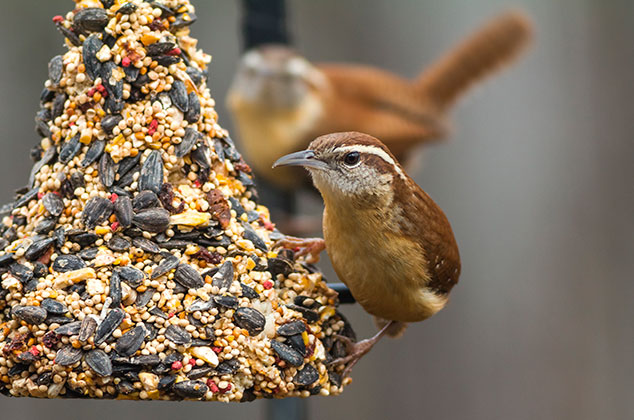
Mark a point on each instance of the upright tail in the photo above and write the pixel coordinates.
(496, 44)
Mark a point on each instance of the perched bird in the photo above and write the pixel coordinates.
(386, 238)
(280, 101)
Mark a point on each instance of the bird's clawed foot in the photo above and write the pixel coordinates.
(311, 247)
(357, 350)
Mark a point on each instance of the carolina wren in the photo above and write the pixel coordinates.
(387, 239)
(280, 101)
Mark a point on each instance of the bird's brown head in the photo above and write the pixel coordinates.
(275, 76)
(348, 165)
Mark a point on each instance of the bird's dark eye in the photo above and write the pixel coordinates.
(351, 158)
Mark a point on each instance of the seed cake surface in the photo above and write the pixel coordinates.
(136, 263)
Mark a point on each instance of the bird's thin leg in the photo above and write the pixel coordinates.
(357, 350)
(303, 246)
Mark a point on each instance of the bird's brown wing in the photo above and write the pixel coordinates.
(435, 236)
(379, 103)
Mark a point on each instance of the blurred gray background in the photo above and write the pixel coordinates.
(537, 180)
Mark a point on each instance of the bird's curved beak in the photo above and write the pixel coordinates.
(305, 158)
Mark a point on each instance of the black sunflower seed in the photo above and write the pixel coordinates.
(190, 389)
(57, 108)
(81, 237)
(187, 276)
(130, 342)
(47, 95)
(38, 248)
(47, 157)
(178, 335)
(54, 307)
(39, 270)
(230, 302)
(53, 203)
(72, 36)
(90, 48)
(108, 325)
(307, 376)
(56, 69)
(306, 302)
(127, 179)
(144, 298)
(249, 292)
(69, 329)
(228, 367)
(70, 149)
(106, 170)
(127, 8)
(224, 277)
(251, 235)
(200, 305)
(68, 355)
(123, 211)
(152, 220)
(250, 319)
(118, 244)
(146, 245)
(114, 105)
(201, 157)
(279, 266)
(24, 199)
(196, 75)
(183, 20)
(21, 272)
(297, 343)
(91, 19)
(115, 292)
(152, 172)
(96, 211)
(189, 140)
(178, 95)
(310, 315)
(159, 48)
(193, 113)
(127, 164)
(87, 329)
(109, 122)
(94, 152)
(144, 200)
(33, 315)
(88, 254)
(287, 354)
(131, 74)
(168, 263)
(167, 60)
(42, 119)
(133, 276)
(115, 90)
(99, 362)
(292, 328)
(77, 180)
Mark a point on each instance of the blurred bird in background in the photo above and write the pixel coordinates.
(280, 101)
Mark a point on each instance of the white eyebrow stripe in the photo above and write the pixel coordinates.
(376, 151)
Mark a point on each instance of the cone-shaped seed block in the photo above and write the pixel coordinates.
(137, 243)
